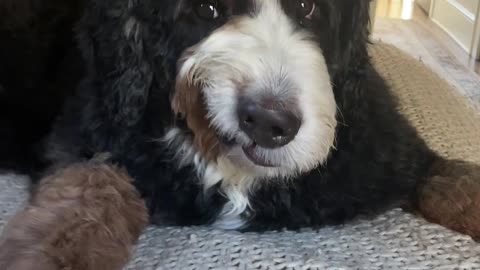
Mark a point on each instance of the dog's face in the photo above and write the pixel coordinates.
(256, 88)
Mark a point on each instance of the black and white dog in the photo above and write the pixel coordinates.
(243, 114)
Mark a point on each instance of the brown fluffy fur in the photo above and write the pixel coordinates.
(85, 217)
(188, 103)
(452, 197)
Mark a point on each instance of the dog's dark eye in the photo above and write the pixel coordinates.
(207, 9)
(306, 8)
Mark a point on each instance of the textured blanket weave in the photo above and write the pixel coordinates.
(394, 240)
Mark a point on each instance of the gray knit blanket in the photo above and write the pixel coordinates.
(394, 240)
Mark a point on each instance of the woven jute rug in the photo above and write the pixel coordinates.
(394, 240)
(445, 119)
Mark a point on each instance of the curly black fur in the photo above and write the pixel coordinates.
(38, 70)
(123, 104)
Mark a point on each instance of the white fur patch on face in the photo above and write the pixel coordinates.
(250, 51)
(235, 186)
(247, 52)
(183, 151)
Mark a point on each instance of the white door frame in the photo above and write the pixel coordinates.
(473, 49)
(373, 10)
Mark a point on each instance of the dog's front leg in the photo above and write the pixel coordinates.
(84, 217)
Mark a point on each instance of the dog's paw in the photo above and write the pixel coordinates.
(84, 217)
(15, 256)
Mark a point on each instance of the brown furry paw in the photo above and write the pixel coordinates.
(451, 197)
(87, 216)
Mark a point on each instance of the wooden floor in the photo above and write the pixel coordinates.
(409, 29)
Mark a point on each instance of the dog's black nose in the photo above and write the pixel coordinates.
(268, 128)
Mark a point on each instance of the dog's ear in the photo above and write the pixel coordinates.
(110, 37)
(357, 23)
(353, 32)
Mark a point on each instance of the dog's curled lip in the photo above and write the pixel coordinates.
(251, 152)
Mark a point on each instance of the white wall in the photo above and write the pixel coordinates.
(425, 4)
(459, 19)
(470, 5)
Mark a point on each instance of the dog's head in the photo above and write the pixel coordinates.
(257, 88)
(253, 78)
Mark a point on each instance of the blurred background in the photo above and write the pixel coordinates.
(444, 34)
